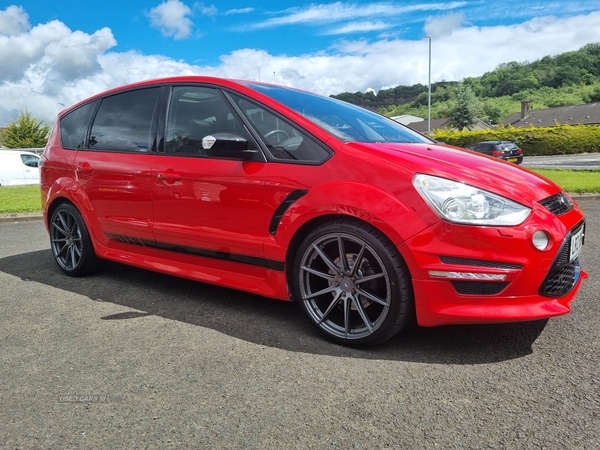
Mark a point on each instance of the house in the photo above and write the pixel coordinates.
(443, 124)
(587, 114)
(405, 119)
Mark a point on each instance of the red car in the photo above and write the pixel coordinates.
(295, 196)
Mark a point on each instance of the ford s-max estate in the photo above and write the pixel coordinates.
(295, 196)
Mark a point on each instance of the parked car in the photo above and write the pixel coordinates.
(506, 150)
(18, 168)
(295, 196)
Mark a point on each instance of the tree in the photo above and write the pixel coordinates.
(25, 132)
(465, 110)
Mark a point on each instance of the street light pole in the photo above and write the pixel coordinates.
(429, 92)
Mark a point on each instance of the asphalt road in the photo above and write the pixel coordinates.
(133, 359)
(584, 161)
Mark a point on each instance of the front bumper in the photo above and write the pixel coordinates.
(468, 274)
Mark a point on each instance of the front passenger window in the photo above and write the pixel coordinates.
(194, 113)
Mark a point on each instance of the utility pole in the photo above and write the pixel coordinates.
(429, 92)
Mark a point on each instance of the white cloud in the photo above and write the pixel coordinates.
(358, 27)
(210, 10)
(171, 19)
(339, 11)
(239, 11)
(442, 26)
(49, 67)
(14, 20)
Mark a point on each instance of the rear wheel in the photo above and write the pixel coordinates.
(352, 283)
(71, 243)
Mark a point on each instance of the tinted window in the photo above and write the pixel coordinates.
(74, 126)
(30, 160)
(508, 146)
(284, 140)
(343, 120)
(124, 121)
(196, 112)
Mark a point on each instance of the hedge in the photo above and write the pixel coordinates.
(558, 140)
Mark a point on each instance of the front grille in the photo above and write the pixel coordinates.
(563, 274)
(558, 204)
(478, 263)
(478, 287)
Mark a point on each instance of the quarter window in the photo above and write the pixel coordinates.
(284, 141)
(124, 121)
(74, 126)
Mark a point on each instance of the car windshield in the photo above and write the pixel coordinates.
(345, 121)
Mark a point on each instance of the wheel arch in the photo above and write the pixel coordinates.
(66, 190)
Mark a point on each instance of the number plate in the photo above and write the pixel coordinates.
(512, 159)
(576, 244)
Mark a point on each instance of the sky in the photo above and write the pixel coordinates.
(56, 53)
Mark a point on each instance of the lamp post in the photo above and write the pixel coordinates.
(429, 92)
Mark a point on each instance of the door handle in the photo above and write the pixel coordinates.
(168, 177)
(84, 168)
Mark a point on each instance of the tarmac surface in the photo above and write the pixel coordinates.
(133, 359)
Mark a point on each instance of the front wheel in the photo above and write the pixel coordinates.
(352, 283)
(70, 242)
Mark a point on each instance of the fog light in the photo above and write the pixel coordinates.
(540, 240)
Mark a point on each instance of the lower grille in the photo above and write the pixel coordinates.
(478, 287)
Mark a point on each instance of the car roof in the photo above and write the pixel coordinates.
(240, 85)
(18, 152)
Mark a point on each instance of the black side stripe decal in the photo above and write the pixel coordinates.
(214, 254)
(283, 207)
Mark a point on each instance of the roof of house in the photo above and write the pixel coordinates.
(443, 124)
(405, 119)
(421, 127)
(588, 114)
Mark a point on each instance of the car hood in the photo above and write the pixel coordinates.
(491, 174)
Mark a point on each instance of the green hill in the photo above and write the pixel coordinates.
(570, 78)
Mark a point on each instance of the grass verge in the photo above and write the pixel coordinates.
(19, 199)
(574, 181)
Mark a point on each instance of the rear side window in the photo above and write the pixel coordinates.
(74, 126)
(124, 121)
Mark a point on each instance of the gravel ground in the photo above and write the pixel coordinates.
(133, 359)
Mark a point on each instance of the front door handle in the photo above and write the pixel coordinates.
(168, 177)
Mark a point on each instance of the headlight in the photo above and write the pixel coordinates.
(461, 203)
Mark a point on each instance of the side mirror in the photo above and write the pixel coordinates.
(227, 145)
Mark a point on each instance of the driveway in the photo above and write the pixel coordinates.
(133, 359)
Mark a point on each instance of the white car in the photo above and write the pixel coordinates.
(19, 168)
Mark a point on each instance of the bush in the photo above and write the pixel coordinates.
(558, 140)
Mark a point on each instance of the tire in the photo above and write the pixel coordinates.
(360, 300)
(71, 244)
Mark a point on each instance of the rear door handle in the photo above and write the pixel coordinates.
(84, 168)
